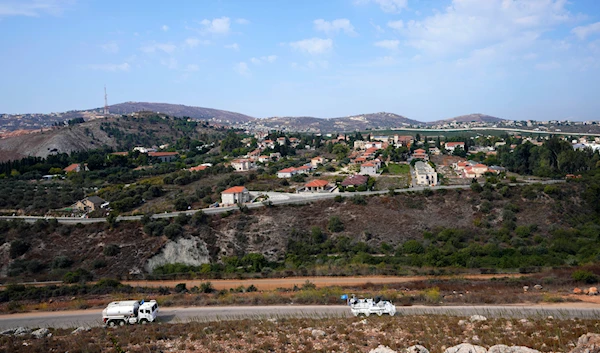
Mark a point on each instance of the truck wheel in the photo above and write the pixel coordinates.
(121, 323)
(367, 314)
(392, 313)
(143, 321)
(111, 323)
(379, 313)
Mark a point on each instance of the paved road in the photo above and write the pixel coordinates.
(92, 318)
(279, 199)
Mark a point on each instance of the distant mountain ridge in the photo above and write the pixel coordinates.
(180, 110)
(478, 118)
(359, 122)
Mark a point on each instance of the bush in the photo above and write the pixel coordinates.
(413, 247)
(180, 288)
(80, 275)
(476, 187)
(173, 231)
(584, 276)
(338, 198)
(62, 262)
(99, 263)
(18, 247)
(111, 250)
(359, 200)
(335, 225)
(206, 287)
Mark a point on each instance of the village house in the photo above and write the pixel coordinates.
(434, 150)
(316, 161)
(451, 146)
(355, 180)
(425, 174)
(89, 204)
(281, 141)
(475, 171)
(164, 157)
(235, 195)
(198, 168)
(403, 140)
(317, 186)
(264, 159)
(360, 160)
(76, 168)
(368, 168)
(420, 154)
(275, 156)
(287, 173)
(242, 165)
(294, 142)
(267, 144)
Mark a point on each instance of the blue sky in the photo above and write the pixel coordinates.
(425, 59)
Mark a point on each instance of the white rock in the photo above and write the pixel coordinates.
(77, 330)
(40, 333)
(538, 286)
(477, 318)
(22, 331)
(416, 349)
(382, 349)
(462, 322)
(466, 348)
(318, 333)
(501, 348)
(10, 331)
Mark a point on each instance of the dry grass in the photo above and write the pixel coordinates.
(295, 335)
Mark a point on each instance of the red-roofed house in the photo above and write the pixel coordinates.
(281, 141)
(164, 156)
(316, 161)
(264, 159)
(360, 160)
(75, 168)
(242, 165)
(287, 172)
(355, 180)
(475, 171)
(316, 185)
(368, 168)
(198, 168)
(305, 169)
(235, 195)
(450, 146)
(420, 154)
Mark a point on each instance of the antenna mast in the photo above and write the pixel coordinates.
(105, 102)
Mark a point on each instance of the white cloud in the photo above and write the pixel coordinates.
(233, 46)
(313, 46)
(388, 5)
(34, 8)
(110, 47)
(551, 65)
(192, 68)
(242, 21)
(171, 63)
(242, 69)
(378, 28)
(264, 59)
(194, 42)
(335, 26)
(397, 25)
(583, 31)
(469, 24)
(217, 25)
(154, 47)
(110, 67)
(391, 44)
(164, 28)
(311, 65)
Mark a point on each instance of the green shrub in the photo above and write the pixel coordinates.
(206, 287)
(173, 231)
(99, 263)
(584, 276)
(180, 288)
(335, 225)
(61, 262)
(18, 247)
(359, 200)
(338, 198)
(111, 250)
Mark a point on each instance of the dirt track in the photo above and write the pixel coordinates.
(273, 283)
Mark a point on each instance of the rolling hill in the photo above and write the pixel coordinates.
(179, 110)
(478, 118)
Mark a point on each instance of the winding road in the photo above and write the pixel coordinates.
(92, 318)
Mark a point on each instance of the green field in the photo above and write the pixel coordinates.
(398, 169)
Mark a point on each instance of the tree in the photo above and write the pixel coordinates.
(335, 225)
(231, 142)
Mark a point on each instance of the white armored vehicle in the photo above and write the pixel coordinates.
(371, 306)
(129, 312)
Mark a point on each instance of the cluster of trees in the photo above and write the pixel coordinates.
(554, 158)
(37, 198)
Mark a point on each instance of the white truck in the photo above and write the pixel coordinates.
(371, 306)
(129, 312)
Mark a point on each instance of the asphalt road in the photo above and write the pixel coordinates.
(92, 318)
(283, 199)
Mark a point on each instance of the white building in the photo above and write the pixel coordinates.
(450, 146)
(242, 165)
(368, 168)
(425, 174)
(235, 195)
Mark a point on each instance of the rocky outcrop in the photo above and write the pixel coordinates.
(190, 251)
(466, 348)
(501, 348)
(588, 343)
(477, 318)
(382, 349)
